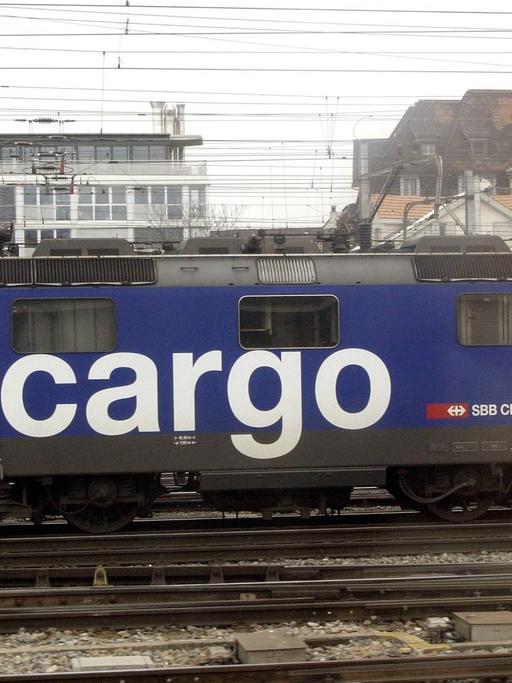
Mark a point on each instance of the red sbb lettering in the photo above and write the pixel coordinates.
(447, 411)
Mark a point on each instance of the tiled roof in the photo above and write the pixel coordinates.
(432, 119)
(505, 200)
(483, 113)
(451, 124)
(393, 206)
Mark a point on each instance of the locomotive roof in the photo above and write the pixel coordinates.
(213, 270)
(96, 262)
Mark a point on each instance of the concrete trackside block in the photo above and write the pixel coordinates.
(484, 626)
(269, 646)
(111, 663)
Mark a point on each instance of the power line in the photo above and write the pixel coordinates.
(129, 10)
(265, 8)
(408, 55)
(432, 33)
(252, 69)
(175, 93)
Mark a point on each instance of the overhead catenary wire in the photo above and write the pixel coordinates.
(234, 172)
(266, 8)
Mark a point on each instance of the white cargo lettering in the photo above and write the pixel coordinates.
(288, 409)
(286, 413)
(144, 389)
(380, 388)
(11, 395)
(185, 375)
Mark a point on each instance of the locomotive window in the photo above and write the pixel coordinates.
(485, 320)
(63, 325)
(269, 322)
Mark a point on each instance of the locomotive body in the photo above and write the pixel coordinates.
(265, 382)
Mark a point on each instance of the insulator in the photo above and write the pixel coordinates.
(365, 236)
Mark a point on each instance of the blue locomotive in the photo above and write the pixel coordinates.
(270, 381)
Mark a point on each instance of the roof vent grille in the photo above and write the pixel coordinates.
(15, 271)
(289, 270)
(95, 271)
(449, 267)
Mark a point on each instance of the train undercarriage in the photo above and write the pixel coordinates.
(108, 503)
(94, 504)
(451, 493)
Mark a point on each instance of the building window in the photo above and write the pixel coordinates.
(478, 148)
(120, 153)
(502, 183)
(427, 148)
(197, 202)
(30, 195)
(46, 203)
(32, 237)
(175, 201)
(9, 153)
(63, 325)
(46, 234)
(409, 186)
(158, 203)
(140, 153)
(267, 322)
(7, 204)
(101, 203)
(103, 153)
(485, 319)
(86, 153)
(106, 153)
(62, 207)
(157, 152)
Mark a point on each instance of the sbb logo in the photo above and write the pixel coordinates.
(447, 411)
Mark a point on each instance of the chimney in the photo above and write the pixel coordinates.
(158, 116)
(170, 121)
(180, 119)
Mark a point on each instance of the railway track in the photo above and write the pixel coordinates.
(54, 581)
(231, 573)
(123, 606)
(214, 545)
(480, 668)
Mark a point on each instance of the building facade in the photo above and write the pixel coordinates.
(137, 187)
(474, 133)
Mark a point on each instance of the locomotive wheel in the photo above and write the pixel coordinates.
(102, 520)
(453, 509)
(454, 494)
(466, 504)
(103, 512)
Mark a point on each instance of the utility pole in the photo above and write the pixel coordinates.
(365, 226)
(436, 227)
(364, 183)
(472, 202)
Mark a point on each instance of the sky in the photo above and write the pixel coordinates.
(278, 91)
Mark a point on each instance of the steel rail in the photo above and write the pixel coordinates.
(46, 577)
(390, 670)
(228, 603)
(250, 544)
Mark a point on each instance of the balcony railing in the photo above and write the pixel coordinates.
(100, 168)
